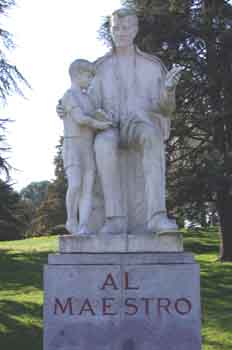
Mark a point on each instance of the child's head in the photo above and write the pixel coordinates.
(82, 72)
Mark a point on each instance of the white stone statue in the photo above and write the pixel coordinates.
(78, 152)
(138, 94)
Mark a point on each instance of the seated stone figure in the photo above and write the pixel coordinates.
(78, 154)
(139, 92)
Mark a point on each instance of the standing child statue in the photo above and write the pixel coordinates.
(78, 154)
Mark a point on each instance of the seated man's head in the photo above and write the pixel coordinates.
(81, 73)
(123, 27)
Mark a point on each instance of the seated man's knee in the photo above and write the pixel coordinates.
(149, 138)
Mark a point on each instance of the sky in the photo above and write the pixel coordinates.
(49, 35)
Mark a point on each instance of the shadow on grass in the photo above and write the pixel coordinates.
(21, 282)
(21, 270)
(216, 282)
(216, 296)
(17, 330)
(216, 288)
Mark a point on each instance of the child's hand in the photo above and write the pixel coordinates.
(98, 125)
(102, 116)
(60, 110)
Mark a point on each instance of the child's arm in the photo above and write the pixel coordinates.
(83, 120)
(102, 116)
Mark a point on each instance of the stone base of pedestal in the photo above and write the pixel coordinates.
(165, 242)
(122, 301)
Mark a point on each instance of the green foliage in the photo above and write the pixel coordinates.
(13, 214)
(47, 202)
(49, 216)
(21, 292)
(35, 193)
(34, 196)
(51, 212)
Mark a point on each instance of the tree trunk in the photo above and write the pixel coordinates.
(224, 208)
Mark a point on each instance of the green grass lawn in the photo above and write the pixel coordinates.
(21, 294)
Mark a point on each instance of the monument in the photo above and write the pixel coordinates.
(121, 280)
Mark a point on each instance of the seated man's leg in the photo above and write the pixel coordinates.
(73, 197)
(152, 143)
(107, 158)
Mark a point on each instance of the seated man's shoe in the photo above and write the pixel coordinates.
(162, 224)
(114, 225)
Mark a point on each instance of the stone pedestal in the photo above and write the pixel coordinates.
(165, 242)
(122, 301)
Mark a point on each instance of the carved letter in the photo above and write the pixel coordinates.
(109, 282)
(147, 309)
(86, 307)
(63, 309)
(133, 307)
(164, 303)
(183, 303)
(127, 282)
(107, 306)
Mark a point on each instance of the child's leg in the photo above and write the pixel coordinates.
(73, 197)
(86, 202)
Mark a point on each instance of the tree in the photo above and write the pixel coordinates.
(35, 193)
(50, 215)
(11, 210)
(13, 214)
(10, 77)
(198, 35)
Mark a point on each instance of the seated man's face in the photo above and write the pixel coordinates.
(123, 30)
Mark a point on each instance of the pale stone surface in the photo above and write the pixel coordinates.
(107, 304)
(136, 93)
(78, 152)
(125, 259)
(121, 243)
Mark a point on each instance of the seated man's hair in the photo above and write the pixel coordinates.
(125, 12)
